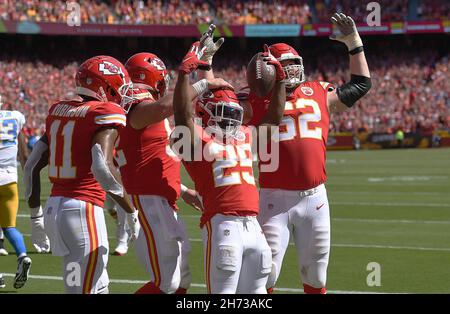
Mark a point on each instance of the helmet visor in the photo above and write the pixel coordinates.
(126, 92)
(226, 117)
(295, 73)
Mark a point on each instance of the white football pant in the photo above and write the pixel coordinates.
(162, 245)
(308, 219)
(236, 255)
(77, 232)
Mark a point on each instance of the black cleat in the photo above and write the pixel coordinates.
(23, 268)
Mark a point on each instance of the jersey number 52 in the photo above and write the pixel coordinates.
(302, 121)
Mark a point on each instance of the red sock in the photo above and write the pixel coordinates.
(181, 291)
(149, 288)
(270, 290)
(311, 290)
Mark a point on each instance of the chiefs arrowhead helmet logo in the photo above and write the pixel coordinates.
(158, 64)
(107, 68)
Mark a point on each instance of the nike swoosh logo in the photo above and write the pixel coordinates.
(319, 207)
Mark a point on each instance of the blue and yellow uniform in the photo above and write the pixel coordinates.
(11, 122)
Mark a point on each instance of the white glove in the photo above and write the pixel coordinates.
(134, 225)
(349, 33)
(38, 237)
(211, 47)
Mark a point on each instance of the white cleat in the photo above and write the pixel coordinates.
(3, 252)
(23, 268)
(121, 249)
(2, 282)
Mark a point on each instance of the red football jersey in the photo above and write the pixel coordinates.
(70, 128)
(303, 137)
(224, 177)
(147, 164)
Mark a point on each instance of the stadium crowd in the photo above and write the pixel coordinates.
(409, 93)
(216, 11)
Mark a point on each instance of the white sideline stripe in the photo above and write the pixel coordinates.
(404, 221)
(385, 193)
(197, 285)
(373, 246)
(391, 204)
(365, 246)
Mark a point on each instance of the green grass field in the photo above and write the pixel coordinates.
(391, 207)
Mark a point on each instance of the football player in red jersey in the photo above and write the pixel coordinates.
(294, 198)
(78, 148)
(237, 257)
(144, 154)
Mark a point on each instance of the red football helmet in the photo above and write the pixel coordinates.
(105, 79)
(148, 72)
(220, 111)
(295, 73)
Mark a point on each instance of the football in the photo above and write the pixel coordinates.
(260, 75)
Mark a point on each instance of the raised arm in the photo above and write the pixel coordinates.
(277, 102)
(347, 95)
(149, 112)
(211, 48)
(182, 99)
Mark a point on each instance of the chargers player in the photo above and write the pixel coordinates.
(294, 198)
(12, 142)
(3, 251)
(79, 141)
(236, 254)
(151, 174)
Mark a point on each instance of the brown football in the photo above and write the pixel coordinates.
(260, 75)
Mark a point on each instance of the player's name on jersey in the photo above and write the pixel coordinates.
(65, 110)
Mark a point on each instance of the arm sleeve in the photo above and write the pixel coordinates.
(351, 92)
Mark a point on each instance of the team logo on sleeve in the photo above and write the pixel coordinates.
(308, 91)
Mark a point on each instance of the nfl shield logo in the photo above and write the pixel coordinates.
(226, 232)
(308, 91)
